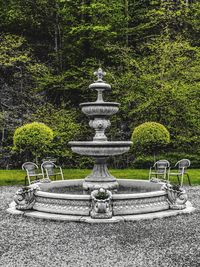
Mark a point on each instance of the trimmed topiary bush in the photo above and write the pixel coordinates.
(33, 139)
(149, 137)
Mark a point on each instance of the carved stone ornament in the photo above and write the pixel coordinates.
(177, 198)
(25, 198)
(101, 204)
(100, 74)
(100, 125)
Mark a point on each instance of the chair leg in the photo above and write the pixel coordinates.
(182, 177)
(178, 179)
(29, 179)
(168, 177)
(25, 180)
(188, 179)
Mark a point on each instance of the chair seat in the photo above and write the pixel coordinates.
(175, 173)
(35, 175)
(54, 174)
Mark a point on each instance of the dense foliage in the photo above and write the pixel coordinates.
(150, 136)
(33, 139)
(149, 49)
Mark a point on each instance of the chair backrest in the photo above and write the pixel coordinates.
(161, 165)
(30, 167)
(49, 167)
(183, 164)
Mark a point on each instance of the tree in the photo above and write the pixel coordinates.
(150, 137)
(33, 139)
(149, 49)
(65, 127)
(17, 96)
(163, 86)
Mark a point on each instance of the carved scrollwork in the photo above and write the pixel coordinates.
(25, 198)
(177, 197)
(101, 204)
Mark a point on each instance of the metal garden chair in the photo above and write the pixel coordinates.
(182, 165)
(32, 170)
(52, 169)
(159, 171)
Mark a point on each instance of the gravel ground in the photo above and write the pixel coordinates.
(165, 242)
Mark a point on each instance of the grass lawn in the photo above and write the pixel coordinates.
(14, 177)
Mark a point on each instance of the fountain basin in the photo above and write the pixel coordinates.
(99, 108)
(100, 149)
(149, 198)
(142, 200)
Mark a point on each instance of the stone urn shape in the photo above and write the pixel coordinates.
(101, 207)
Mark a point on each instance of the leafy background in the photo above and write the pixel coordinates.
(150, 50)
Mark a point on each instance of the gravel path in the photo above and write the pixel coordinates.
(165, 242)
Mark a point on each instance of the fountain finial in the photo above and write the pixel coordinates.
(100, 74)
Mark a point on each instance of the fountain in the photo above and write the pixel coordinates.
(100, 148)
(100, 197)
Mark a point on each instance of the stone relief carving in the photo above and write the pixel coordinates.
(177, 196)
(100, 125)
(25, 198)
(101, 204)
(139, 203)
(99, 110)
(62, 202)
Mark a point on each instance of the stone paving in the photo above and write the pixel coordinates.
(161, 242)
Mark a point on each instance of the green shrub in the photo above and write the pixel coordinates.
(150, 137)
(64, 124)
(33, 139)
(143, 162)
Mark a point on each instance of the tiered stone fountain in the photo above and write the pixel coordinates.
(100, 197)
(100, 148)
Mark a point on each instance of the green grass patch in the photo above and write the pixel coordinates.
(14, 177)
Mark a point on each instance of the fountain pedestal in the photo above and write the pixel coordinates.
(100, 176)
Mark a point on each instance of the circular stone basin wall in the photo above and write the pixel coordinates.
(133, 197)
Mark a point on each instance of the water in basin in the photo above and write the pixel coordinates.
(78, 190)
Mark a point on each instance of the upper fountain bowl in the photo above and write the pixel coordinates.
(100, 85)
(100, 149)
(99, 108)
